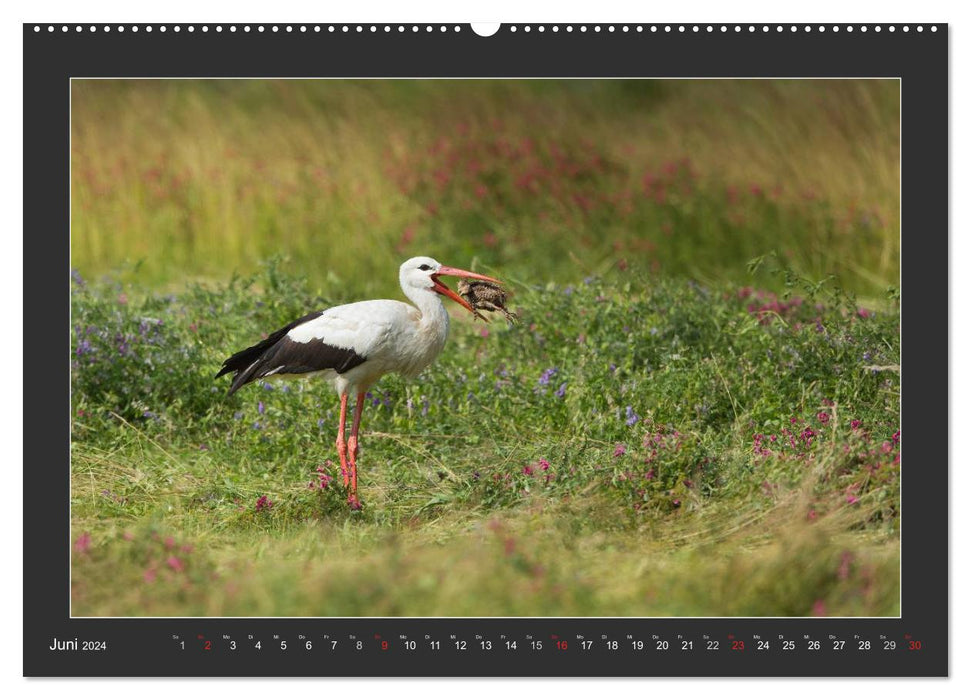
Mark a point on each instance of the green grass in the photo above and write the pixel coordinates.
(633, 447)
(697, 415)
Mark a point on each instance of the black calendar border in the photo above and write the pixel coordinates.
(148, 647)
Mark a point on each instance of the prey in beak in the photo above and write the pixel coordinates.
(486, 296)
(456, 272)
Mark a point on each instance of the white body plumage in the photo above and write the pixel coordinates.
(391, 335)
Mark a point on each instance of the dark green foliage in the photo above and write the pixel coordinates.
(659, 394)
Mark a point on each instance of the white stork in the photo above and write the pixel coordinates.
(353, 345)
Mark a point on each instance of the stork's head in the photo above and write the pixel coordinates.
(423, 273)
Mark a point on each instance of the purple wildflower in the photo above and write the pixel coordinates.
(547, 374)
(260, 408)
(561, 392)
(631, 416)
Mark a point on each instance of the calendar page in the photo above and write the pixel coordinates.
(467, 350)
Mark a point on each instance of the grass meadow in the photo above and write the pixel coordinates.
(697, 415)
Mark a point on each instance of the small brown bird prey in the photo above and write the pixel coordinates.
(485, 296)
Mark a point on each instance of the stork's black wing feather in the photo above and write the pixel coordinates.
(277, 354)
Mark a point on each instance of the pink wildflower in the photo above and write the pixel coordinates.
(83, 543)
(263, 503)
(843, 572)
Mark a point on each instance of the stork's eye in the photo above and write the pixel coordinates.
(424, 268)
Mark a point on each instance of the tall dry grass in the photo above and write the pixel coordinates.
(546, 179)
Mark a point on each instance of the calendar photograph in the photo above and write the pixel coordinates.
(485, 348)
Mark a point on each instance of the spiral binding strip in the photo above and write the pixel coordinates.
(512, 28)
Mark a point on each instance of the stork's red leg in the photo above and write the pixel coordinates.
(352, 446)
(341, 445)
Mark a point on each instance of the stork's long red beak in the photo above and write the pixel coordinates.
(456, 272)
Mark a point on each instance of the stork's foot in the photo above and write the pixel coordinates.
(353, 502)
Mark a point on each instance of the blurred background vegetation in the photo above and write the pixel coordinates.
(546, 180)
